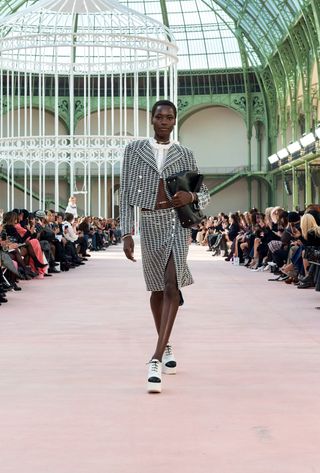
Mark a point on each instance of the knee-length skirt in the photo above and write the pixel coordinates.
(161, 235)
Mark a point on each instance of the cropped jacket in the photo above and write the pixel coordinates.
(140, 178)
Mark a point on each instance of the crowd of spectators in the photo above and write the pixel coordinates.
(43, 243)
(40, 244)
(285, 243)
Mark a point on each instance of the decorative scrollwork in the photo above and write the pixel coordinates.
(64, 106)
(240, 103)
(182, 104)
(78, 107)
(258, 107)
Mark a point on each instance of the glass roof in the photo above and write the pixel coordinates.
(204, 37)
(264, 22)
(205, 29)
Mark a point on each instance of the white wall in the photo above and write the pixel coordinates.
(218, 137)
(25, 124)
(230, 199)
(144, 117)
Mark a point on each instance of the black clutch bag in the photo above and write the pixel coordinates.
(312, 254)
(188, 181)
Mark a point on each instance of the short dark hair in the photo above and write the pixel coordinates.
(166, 103)
(68, 217)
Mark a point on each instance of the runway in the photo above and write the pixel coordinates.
(73, 354)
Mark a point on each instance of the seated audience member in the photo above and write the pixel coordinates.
(27, 235)
(47, 237)
(208, 230)
(214, 229)
(71, 236)
(84, 228)
(115, 232)
(232, 233)
(279, 218)
(243, 244)
(98, 234)
(9, 272)
(289, 234)
(310, 230)
(268, 234)
(220, 244)
(201, 232)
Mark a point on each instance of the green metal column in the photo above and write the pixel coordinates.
(249, 137)
(295, 189)
(259, 135)
(284, 193)
(308, 186)
(272, 191)
(249, 182)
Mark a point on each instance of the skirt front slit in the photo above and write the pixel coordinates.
(161, 235)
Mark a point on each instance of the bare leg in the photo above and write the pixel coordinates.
(32, 254)
(305, 266)
(156, 303)
(169, 308)
(16, 256)
(235, 254)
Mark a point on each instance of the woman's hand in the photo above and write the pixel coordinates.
(128, 247)
(182, 198)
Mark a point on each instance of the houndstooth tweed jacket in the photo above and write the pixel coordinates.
(140, 178)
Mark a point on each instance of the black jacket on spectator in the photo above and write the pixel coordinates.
(233, 231)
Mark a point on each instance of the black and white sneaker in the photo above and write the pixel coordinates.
(169, 364)
(154, 376)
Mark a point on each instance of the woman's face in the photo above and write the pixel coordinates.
(163, 122)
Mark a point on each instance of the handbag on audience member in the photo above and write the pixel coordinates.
(188, 181)
(312, 254)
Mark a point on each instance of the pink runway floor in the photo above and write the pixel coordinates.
(73, 353)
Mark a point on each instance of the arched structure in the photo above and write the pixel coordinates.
(77, 57)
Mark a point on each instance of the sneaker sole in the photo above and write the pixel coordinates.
(154, 388)
(169, 370)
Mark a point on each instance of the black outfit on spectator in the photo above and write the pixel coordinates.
(280, 256)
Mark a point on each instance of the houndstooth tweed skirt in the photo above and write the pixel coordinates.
(161, 235)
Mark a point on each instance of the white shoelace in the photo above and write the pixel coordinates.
(154, 366)
(168, 350)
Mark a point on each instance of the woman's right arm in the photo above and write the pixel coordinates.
(126, 210)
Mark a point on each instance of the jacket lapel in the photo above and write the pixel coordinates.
(174, 154)
(147, 155)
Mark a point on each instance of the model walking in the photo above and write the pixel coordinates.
(164, 242)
